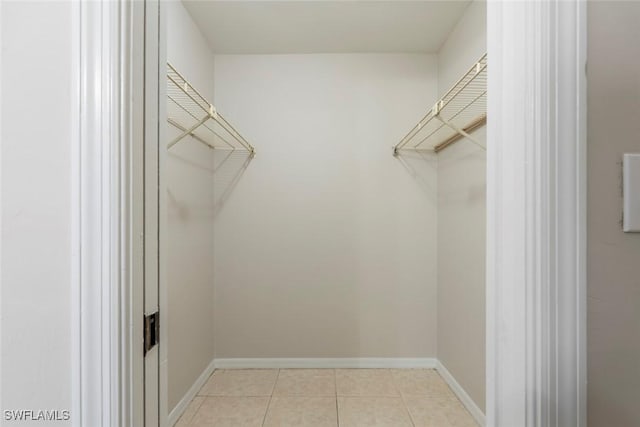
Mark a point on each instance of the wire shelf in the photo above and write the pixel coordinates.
(192, 115)
(458, 113)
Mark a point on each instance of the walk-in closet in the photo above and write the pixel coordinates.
(323, 212)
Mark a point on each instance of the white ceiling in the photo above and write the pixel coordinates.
(265, 27)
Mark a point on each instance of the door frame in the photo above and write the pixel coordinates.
(536, 214)
(107, 232)
(536, 240)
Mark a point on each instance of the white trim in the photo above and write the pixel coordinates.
(536, 288)
(163, 290)
(328, 363)
(179, 409)
(92, 238)
(133, 234)
(74, 232)
(73, 328)
(581, 234)
(462, 395)
(103, 329)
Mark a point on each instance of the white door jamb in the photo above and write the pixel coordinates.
(536, 231)
(106, 245)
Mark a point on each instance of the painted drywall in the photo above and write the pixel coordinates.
(613, 307)
(294, 27)
(35, 261)
(326, 244)
(466, 43)
(462, 223)
(189, 246)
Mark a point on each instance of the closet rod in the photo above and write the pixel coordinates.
(477, 123)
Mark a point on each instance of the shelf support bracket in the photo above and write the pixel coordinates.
(188, 131)
(460, 131)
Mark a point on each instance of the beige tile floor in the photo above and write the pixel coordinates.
(326, 397)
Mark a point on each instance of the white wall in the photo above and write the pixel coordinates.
(612, 256)
(36, 132)
(326, 246)
(462, 223)
(466, 43)
(189, 178)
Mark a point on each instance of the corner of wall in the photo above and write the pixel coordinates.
(190, 219)
(460, 174)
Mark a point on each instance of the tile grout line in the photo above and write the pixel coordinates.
(197, 409)
(406, 408)
(199, 392)
(395, 382)
(203, 396)
(264, 419)
(335, 387)
(453, 396)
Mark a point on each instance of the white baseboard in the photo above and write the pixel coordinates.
(176, 412)
(466, 400)
(348, 362)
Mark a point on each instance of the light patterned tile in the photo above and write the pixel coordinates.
(372, 412)
(191, 410)
(231, 412)
(365, 382)
(302, 412)
(427, 411)
(438, 412)
(460, 417)
(306, 382)
(240, 382)
(421, 382)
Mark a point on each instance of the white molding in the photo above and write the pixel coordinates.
(463, 396)
(163, 289)
(328, 363)
(92, 239)
(75, 231)
(103, 328)
(73, 324)
(133, 169)
(179, 409)
(535, 211)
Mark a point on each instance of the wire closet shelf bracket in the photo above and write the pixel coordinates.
(458, 113)
(192, 115)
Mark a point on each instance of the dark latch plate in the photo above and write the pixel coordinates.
(151, 331)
